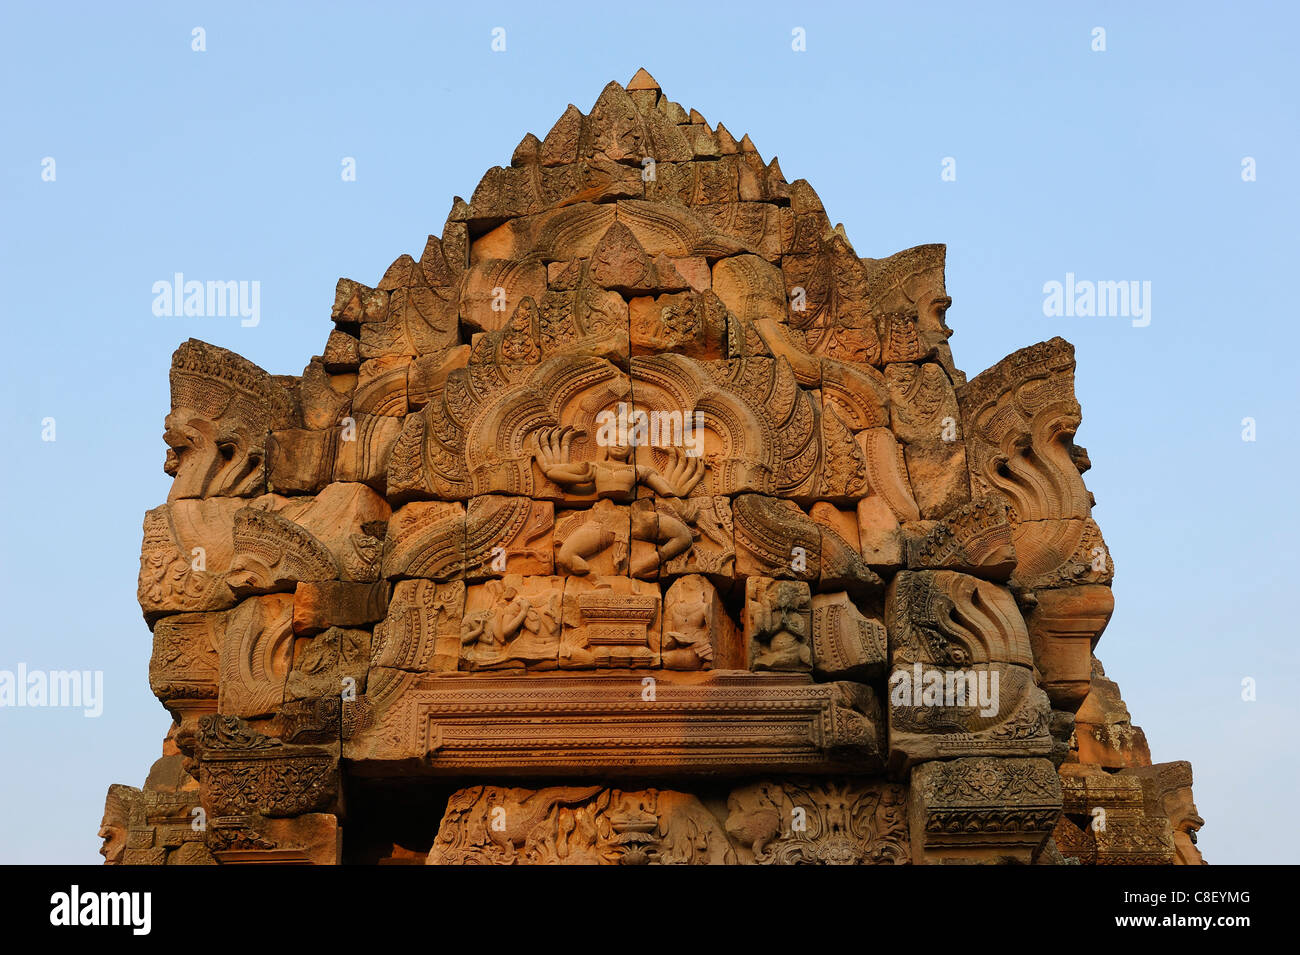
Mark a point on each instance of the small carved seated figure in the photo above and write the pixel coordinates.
(485, 635)
(687, 644)
(634, 828)
(515, 631)
(781, 635)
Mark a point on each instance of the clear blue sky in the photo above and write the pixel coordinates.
(225, 164)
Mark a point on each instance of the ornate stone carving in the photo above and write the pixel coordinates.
(823, 822)
(776, 539)
(688, 723)
(116, 824)
(1167, 792)
(638, 471)
(594, 541)
(887, 472)
(273, 786)
(1020, 417)
(610, 622)
(908, 299)
(273, 553)
(925, 418)
(962, 678)
(419, 318)
(791, 823)
(346, 518)
(422, 631)
(846, 645)
(512, 623)
(690, 323)
(578, 825)
(426, 539)
(185, 556)
(256, 655)
(836, 321)
(1108, 819)
(698, 634)
(974, 539)
(333, 662)
(185, 661)
(982, 810)
(985, 709)
(948, 619)
(509, 535)
(152, 827)
(242, 771)
(223, 406)
(708, 522)
(309, 839)
(778, 624)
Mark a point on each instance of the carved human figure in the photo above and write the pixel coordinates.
(635, 827)
(486, 634)
(671, 536)
(1169, 790)
(601, 527)
(781, 618)
(617, 475)
(686, 644)
(515, 629)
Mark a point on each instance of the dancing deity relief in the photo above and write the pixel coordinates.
(615, 477)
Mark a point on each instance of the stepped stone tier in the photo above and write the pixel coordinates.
(620, 527)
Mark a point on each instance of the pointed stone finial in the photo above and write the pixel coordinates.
(726, 142)
(642, 81)
(527, 151)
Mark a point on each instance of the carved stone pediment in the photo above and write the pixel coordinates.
(638, 520)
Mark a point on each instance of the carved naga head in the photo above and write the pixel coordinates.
(1175, 782)
(222, 407)
(117, 820)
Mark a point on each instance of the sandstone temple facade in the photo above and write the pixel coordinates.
(638, 520)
